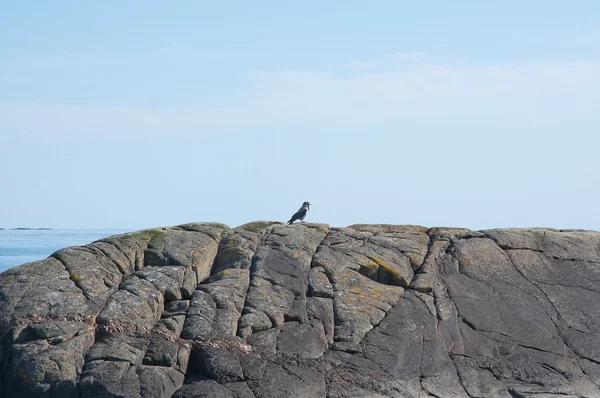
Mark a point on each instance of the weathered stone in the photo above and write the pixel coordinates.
(219, 364)
(174, 323)
(49, 369)
(194, 250)
(109, 379)
(265, 340)
(144, 290)
(367, 272)
(158, 381)
(128, 249)
(178, 307)
(213, 229)
(172, 354)
(561, 245)
(228, 290)
(253, 321)
(53, 331)
(304, 339)
(268, 309)
(121, 258)
(216, 306)
(280, 381)
(206, 388)
(91, 271)
(128, 309)
(118, 347)
(173, 282)
(237, 249)
(321, 309)
(40, 289)
(53, 304)
(202, 313)
(481, 383)
(319, 285)
(280, 272)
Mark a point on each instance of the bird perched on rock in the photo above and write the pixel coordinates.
(300, 214)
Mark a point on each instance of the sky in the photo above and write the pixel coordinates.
(138, 114)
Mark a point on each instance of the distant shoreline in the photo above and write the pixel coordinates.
(26, 229)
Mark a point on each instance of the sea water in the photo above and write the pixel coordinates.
(22, 246)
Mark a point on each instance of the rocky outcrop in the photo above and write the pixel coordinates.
(271, 310)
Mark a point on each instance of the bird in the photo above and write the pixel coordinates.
(300, 214)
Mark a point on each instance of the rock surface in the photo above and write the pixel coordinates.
(271, 310)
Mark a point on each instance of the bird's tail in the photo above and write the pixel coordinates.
(291, 221)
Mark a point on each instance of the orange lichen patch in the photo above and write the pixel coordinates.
(392, 273)
(380, 262)
(319, 263)
(416, 259)
(382, 272)
(365, 290)
(348, 274)
(369, 270)
(295, 255)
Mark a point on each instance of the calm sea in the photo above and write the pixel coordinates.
(18, 247)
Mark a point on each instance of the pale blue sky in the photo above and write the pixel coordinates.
(134, 114)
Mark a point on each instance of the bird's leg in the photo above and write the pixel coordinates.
(301, 220)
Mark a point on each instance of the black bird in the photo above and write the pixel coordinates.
(300, 214)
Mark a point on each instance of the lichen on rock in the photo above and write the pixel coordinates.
(268, 309)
